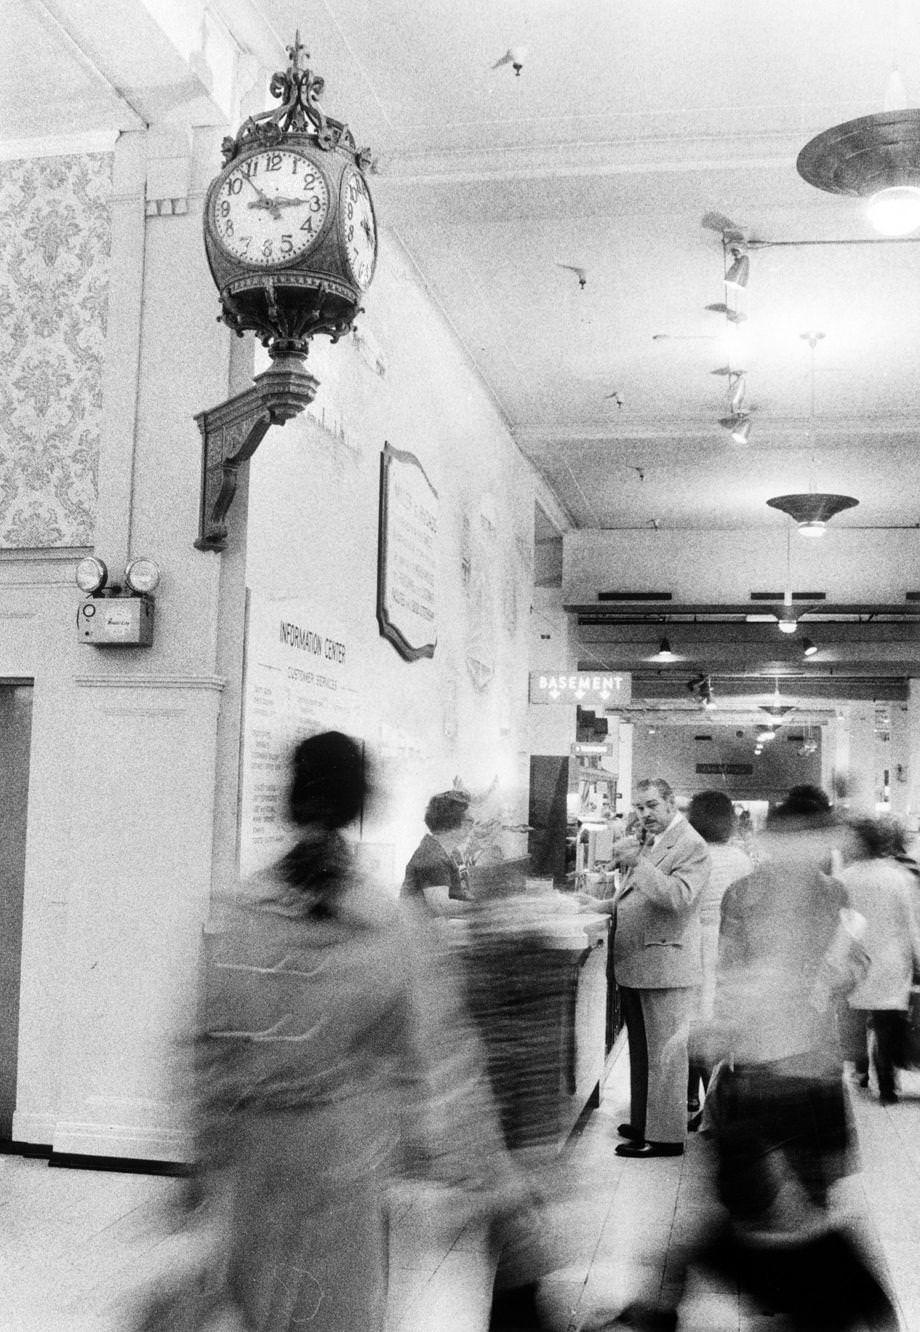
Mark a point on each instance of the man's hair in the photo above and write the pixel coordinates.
(663, 788)
(804, 807)
(879, 837)
(712, 814)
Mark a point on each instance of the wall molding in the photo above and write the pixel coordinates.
(215, 683)
(33, 1127)
(58, 145)
(87, 1138)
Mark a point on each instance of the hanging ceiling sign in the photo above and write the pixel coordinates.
(587, 688)
(407, 609)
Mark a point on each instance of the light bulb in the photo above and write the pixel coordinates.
(814, 527)
(742, 430)
(787, 624)
(895, 211)
(91, 574)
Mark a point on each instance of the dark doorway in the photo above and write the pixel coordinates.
(15, 736)
(549, 785)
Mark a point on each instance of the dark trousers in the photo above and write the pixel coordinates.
(887, 1025)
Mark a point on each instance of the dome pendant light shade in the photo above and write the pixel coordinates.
(876, 158)
(812, 512)
(664, 652)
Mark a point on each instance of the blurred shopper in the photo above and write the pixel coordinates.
(520, 989)
(713, 816)
(656, 964)
(882, 890)
(435, 877)
(777, 1107)
(328, 1057)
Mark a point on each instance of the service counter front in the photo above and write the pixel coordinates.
(537, 971)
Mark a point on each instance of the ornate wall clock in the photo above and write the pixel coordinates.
(291, 241)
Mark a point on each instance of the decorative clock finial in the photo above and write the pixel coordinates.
(299, 90)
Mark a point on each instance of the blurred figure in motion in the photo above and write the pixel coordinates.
(435, 877)
(520, 988)
(713, 816)
(882, 890)
(325, 1050)
(777, 1108)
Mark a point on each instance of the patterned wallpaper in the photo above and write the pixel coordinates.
(55, 231)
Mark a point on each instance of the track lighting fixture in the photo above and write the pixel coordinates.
(808, 647)
(739, 426)
(702, 685)
(737, 387)
(739, 270)
(664, 652)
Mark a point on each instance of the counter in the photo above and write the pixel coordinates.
(537, 980)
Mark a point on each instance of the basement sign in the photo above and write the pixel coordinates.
(599, 689)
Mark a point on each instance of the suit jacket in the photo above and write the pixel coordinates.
(656, 942)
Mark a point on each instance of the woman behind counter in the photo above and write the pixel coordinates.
(434, 875)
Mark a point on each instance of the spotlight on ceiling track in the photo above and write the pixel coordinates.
(737, 388)
(738, 425)
(739, 270)
(808, 647)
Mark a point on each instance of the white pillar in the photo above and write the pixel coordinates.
(912, 773)
(861, 771)
(148, 728)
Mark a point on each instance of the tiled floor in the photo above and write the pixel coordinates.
(76, 1247)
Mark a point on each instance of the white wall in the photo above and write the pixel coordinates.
(313, 527)
(722, 566)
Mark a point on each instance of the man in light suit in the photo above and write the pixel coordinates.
(656, 964)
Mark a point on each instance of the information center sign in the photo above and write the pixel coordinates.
(299, 678)
(599, 689)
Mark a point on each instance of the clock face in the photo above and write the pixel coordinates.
(270, 208)
(359, 229)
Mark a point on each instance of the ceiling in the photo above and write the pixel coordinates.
(629, 122)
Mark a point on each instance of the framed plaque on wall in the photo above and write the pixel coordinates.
(407, 555)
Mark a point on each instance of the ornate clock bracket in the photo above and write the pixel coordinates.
(233, 431)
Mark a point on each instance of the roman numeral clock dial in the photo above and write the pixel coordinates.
(270, 208)
(358, 228)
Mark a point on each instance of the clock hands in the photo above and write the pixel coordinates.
(263, 200)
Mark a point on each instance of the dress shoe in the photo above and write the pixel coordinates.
(643, 1149)
(627, 1131)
